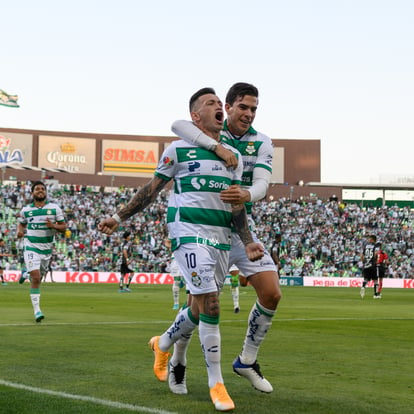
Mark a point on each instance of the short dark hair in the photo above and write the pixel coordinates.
(198, 94)
(126, 234)
(37, 183)
(239, 90)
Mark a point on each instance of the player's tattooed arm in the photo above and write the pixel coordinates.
(239, 220)
(145, 196)
(254, 250)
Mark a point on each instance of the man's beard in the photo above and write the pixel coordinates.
(39, 198)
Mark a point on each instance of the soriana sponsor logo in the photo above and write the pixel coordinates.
(136, 158)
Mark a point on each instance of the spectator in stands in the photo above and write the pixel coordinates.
(323, 230)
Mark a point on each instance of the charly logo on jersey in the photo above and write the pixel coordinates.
(193, 165)
(195, 279)
(250, 149)
(191, 154)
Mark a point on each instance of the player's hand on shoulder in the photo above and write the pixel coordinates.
(227, 155)
(235, 195)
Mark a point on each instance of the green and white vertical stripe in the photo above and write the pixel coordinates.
(39, 238)
(195, 213)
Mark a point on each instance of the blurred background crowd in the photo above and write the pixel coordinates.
(318, 237)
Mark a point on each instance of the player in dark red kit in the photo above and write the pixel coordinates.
(382, 264)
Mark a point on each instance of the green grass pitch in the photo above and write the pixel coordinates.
(328, 352)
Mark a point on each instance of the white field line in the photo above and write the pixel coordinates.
(231, 321)
(106, 403)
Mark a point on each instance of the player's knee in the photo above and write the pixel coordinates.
(277, 295)
(212, 304)
(271, 299)
(275, 298)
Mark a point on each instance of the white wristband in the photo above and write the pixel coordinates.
(117, 218)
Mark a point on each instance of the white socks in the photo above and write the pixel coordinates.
(183, 325)
(260, 320)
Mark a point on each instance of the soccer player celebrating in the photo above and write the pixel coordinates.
(199, 225)
(257, 152)
(38, 223)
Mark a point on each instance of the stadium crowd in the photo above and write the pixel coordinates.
(319, 238)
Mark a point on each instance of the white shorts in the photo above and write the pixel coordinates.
(36, 261)
(204, 267)
(239, 258)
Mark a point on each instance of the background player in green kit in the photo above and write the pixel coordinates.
(38, 223)
(178, 282)
(234, 287)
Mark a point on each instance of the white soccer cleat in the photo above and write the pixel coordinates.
(177, 379)
(253, 374)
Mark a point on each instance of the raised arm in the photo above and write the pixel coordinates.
(145, 196)
(193, 135)
(235, 194)
(262, 171)
(260, 183)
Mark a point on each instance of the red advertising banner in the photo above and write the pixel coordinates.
(355, 282)
(167, 279)
(98, 277)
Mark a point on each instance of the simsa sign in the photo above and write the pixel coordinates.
(134, 158)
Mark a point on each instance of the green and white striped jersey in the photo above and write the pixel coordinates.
(256, 150)
(39, 238)
(195, 212)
